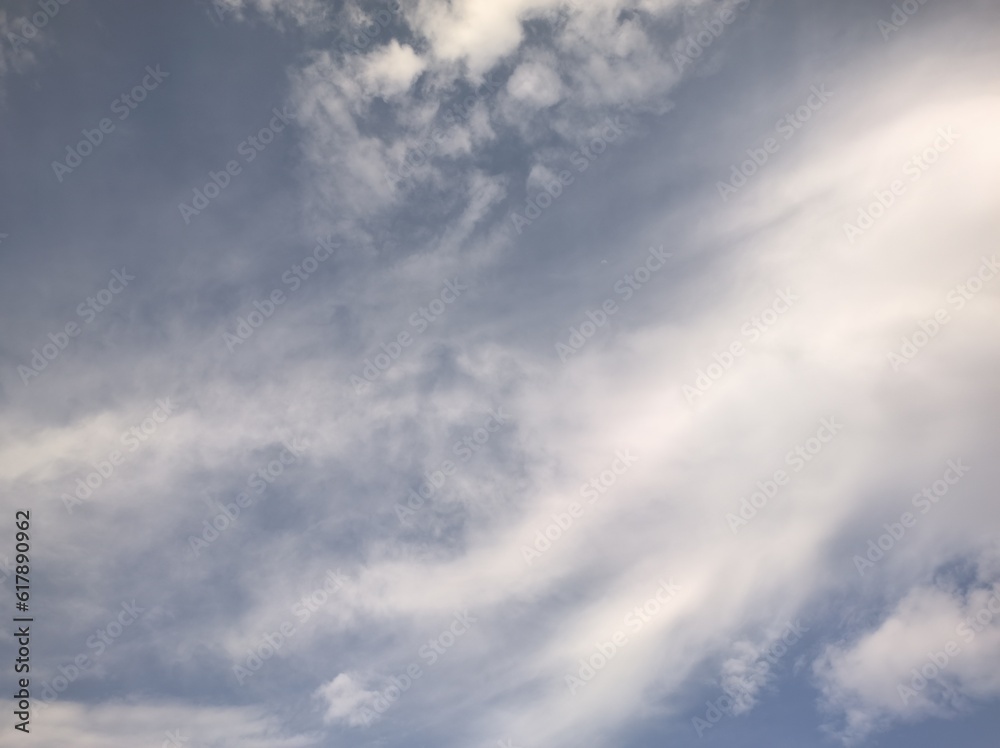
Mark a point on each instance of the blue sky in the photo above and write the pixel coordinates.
(521, 373)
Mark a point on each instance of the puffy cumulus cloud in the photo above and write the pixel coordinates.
(391, 70)
(478, 34)
(585, 61)
(346, 700)
(935, 654)
(535, 84)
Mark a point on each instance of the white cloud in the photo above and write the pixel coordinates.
(345, 700)
(935, 653)
(477, 33)
(826, 357)
(595, 62)
(536, 84)
(131, 722)
(302, 12)
(391, 70)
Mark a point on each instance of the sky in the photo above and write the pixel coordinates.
(510, 373)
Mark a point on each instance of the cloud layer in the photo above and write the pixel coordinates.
(546, 376)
